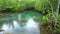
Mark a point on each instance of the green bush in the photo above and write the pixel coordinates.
(29, 3)
(46, 5)
(15, 4)
(57, 29)
(41, 5)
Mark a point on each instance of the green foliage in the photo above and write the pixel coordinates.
(46, 19)
(2, 4)
(58, 17)
(16, 4)
(45, 5)
(57, 29)
(12, 4)
(54, 4)
(40, 5)
(29, 3)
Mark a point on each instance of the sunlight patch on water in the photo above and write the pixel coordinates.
(31, 23)
(32, 27)
(15, 24)
(7, 27)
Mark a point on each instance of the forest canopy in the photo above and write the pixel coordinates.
(40, 5)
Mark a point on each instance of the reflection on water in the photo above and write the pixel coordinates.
(12, 23)
(15, 24)
(31, 27)
(6, 27)
(31, 23)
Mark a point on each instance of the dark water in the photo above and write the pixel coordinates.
(20, 23)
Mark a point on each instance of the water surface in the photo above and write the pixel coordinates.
(20, 23)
